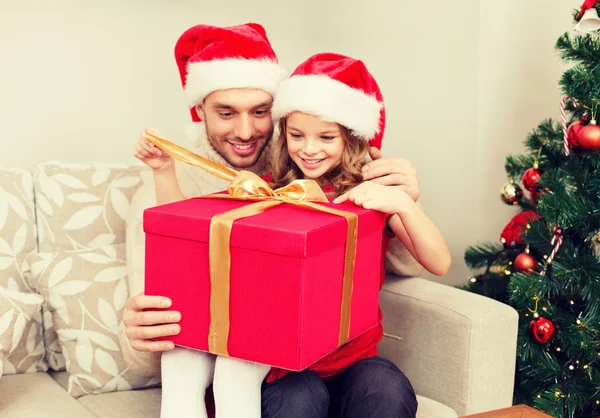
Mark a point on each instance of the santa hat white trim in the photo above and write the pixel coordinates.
(207, 76)
(331, 100)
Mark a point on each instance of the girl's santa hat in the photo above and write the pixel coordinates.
(338, 89)
(213, 58)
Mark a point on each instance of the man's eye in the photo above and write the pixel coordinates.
(226, 114)
(261, 112)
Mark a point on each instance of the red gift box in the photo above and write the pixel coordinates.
(285, 279)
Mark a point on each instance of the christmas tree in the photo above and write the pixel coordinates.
(546, 263)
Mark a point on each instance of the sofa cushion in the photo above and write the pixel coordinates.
(21, 343)
(85, 291)
(428, 408)
(131, 404)
(146, 404)
(37, 395)
(83, 205)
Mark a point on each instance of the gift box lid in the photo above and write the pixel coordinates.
(285, 229)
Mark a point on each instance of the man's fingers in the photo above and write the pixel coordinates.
(148, 333)
(393, 180)
(152, 346)
(141, 301)
(387, 166)
(375, 153)
(136, 318)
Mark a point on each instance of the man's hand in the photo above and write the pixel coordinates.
(392, 171)
(141, 327)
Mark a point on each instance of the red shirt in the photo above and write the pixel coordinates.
(361, 347)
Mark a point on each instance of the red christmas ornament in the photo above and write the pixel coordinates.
(512, 231)
(535, 195)
(531, 177)
(525, 263)
(589, 137)
(573, 134)
(542, 330)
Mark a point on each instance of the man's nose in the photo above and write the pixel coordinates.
(244, 129)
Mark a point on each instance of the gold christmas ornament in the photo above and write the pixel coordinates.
(511, 194)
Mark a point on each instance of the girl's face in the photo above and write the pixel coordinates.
(314, 145)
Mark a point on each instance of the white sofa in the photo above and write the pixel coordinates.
(62, 232)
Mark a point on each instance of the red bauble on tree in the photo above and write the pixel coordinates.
(589, 137)
(525, 263)
(573, 134)
(542, 330)
(531, 177)
(512, 231)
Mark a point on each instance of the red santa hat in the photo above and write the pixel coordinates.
(338, 89)
(213, 58)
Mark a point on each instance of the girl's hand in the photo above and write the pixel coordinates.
(150, 155)
(369, 195)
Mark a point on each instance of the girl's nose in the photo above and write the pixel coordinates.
(310, 147)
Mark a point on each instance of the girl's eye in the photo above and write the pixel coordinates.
(327, 138)
(296, 136)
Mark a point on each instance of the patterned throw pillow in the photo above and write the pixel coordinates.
(17, 239)
(80, 206)
(20, 316)
(83, 205)
(85, 291)
(17, 227)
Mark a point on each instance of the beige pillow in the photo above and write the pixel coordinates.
(17, 239)
(80, 206)
(17, 227)
(20, 324)
(85, 291)
(83, 205)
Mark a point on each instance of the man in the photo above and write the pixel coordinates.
(229, 76)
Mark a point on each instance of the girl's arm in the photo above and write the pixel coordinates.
(422, 238)
(409, 223)
(166, 186)
(162, 164)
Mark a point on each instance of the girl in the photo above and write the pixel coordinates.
(330, 112)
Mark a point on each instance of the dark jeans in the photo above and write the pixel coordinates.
(373, 387)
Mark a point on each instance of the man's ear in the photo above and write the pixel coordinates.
(200, 111)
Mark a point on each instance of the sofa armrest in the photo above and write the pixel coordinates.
(456, 347)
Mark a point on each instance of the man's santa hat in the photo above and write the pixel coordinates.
(213, 58)
(338, 89)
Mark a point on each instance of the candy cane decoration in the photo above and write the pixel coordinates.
(564, 119)
(558, 239)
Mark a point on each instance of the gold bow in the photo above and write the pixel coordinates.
(246, 185)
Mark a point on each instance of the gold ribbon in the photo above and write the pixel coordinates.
(248, 186)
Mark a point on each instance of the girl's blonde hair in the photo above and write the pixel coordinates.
(343, 177)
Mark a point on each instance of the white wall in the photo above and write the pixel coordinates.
(464, 82)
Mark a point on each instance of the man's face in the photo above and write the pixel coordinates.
(238, 124)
